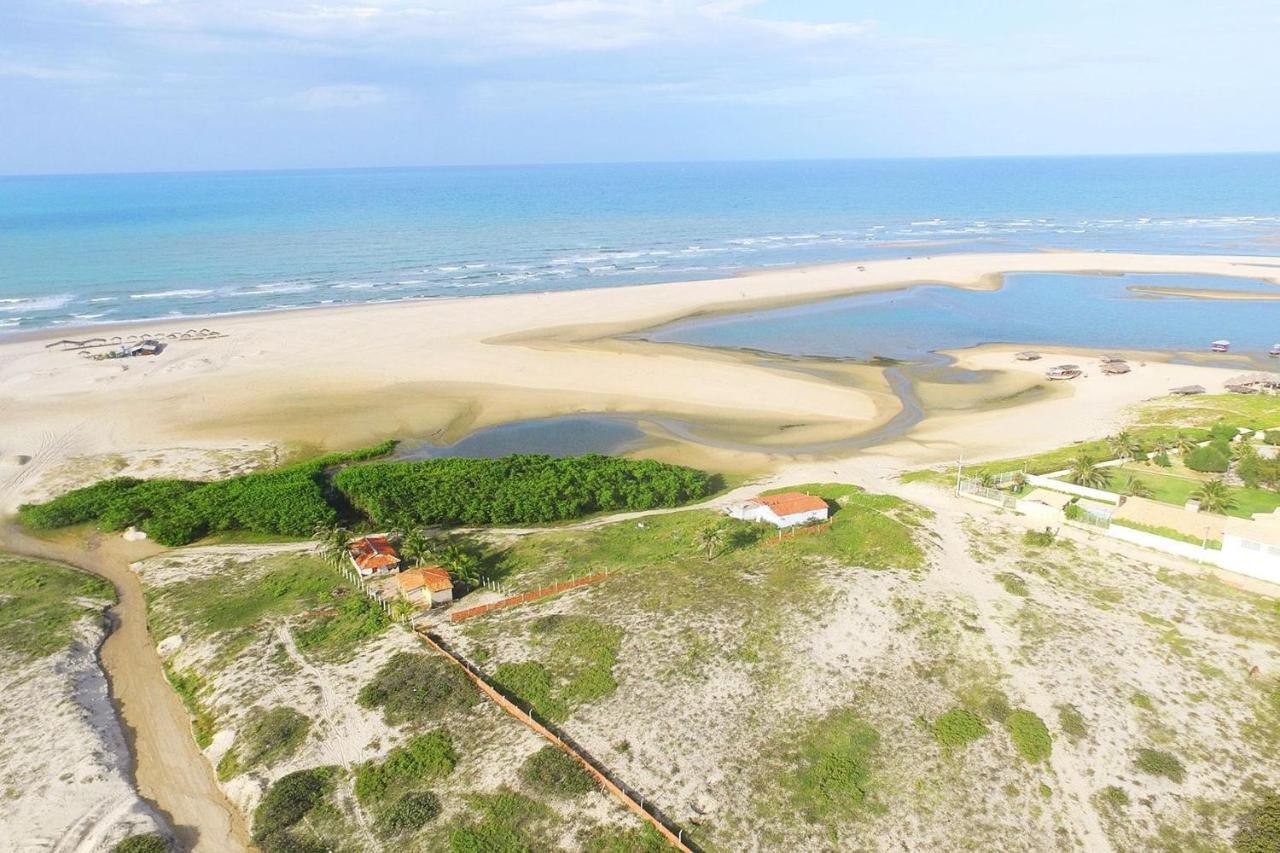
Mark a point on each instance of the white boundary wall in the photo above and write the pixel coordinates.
(1073, 489)
(1163, 543)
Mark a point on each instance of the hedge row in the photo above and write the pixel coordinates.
(521, 489)
(296, 499)
(288, 501)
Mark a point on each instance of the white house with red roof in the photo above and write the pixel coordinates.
(374, 556)
(787, 509)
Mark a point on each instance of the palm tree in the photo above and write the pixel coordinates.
(1019, 481)
(1085, 472)
(414, 547)
(1185, 443)
(462, 564)
(334, 540)
(1215, 496)
(1161, 445)
(402, 609)
(710, 538)
(1123, 445)
(1137, 488)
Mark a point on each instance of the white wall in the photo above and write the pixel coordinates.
(1073, 489)
(1262, 563)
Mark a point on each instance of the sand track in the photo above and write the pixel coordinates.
(170, 772)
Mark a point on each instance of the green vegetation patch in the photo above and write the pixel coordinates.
(1013, 584)
(1159, 763)
(149, 843)
(1259, 828)
(578, 656)
(189, 685)
(551, 770)
(237, 602)
(868, 530)
(424, 758)
(503, 822)
(1030, 735)
(417, 688)
(267, 738)
(287, 802)
(1072, 723)
(41, 602)
(288, 501)
(519, 489)
(958, 728)
(832, 767)
(409, 813)
(643, 840)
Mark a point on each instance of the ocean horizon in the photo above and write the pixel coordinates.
(80, 250)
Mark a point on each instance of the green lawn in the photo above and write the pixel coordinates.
(40, 602)
(1176, 489)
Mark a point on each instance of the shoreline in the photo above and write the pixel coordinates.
(341, 376)
(1265, 268)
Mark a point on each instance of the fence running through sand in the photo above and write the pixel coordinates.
(526, 597)
(629, 798)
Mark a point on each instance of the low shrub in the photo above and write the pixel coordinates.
(834, 769)
(1222, 431)
(409, 813)
(289, 799)
(1039, 538)
(1072, 722)
(552, 771)
(267, 738)
(1259, 829)
(958, 728)
(1159, 763)
(411, 688)
(1030, 735)
(1013, 584)
(422, 758)
(1209, 460)
(1272, 437)
(1114, 796)
(149, 843)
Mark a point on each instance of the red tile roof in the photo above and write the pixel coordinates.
(372, 553)
(434, 578)
(791, 503)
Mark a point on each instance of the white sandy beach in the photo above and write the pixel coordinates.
(337, 377)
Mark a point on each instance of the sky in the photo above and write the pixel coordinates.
(172, 85)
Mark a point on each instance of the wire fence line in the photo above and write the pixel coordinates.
(633, 800)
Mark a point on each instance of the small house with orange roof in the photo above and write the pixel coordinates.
(374, 556)
(787, 509)
(425, 585)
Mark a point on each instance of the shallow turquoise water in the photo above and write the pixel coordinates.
(1031, 309)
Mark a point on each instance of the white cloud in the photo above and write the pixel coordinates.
(488, 29)
(47, 73)
(343, 96)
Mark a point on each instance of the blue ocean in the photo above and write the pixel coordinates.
(77, 250)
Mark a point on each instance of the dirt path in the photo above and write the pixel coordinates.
(169, 770)
(339, 736)
(959, 573)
